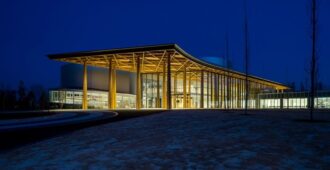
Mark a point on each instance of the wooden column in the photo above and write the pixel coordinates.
(234, 94)
(281, 99)
(212, 90)
(114, 88)
(228, 93)
(168, 96)
(138, 82)
(239, 93)
(175, 90)
(110, 106)
(202, 90)
(207, 90)
(217, 90)
(221, 91)
(189, 91)
(84, 100)
(158, 92)
(164, 86)
(184, 87)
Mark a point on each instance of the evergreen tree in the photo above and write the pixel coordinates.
(43, 100)
(21, 95)
(31, 100)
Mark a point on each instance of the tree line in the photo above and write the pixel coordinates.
(36, 97)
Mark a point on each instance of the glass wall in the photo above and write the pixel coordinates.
(70, 98)
(219, 90)
(207, 89)
(194, 91)
(152, 85)
(293, 100)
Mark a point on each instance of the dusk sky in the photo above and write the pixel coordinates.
(280, 33)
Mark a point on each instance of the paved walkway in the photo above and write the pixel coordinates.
(195, 139)
(60, 119)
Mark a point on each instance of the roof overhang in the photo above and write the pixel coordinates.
(152, 60)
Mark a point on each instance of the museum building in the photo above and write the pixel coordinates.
(160, 76)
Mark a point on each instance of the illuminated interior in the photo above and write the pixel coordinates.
(70, 98)
(168, 77)
(293, 100)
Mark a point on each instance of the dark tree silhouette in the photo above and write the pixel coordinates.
(320, 86)
(292, 86)
(38, 92)
(313, 61)
(11, 100)
(36, 98)
(246, 56)
(21, 95)
(7, 98)
(43, 100)
(2, 99)
(228, 66)
(302, 86)
(31, 100)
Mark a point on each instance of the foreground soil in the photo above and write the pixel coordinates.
(197, 139)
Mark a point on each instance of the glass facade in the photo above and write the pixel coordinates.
(165, 76)
(152, 85)
(203, 90)
(293, 100)
(220, 97)
(70, 98)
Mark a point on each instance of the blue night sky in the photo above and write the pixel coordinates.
(280, 39)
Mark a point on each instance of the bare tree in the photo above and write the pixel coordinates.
(246, 56)
(228, 66)
(313, 62)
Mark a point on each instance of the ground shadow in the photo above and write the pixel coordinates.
(20, 138)
(312, 121)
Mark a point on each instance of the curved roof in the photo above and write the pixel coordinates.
(153, 58)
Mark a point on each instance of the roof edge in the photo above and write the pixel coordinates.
(152, 48)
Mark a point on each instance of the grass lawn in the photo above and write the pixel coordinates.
(208, 139)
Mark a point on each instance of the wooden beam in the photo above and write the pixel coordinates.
(183, 65)
(160, 61)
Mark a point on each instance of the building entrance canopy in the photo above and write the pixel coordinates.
(170, 64)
